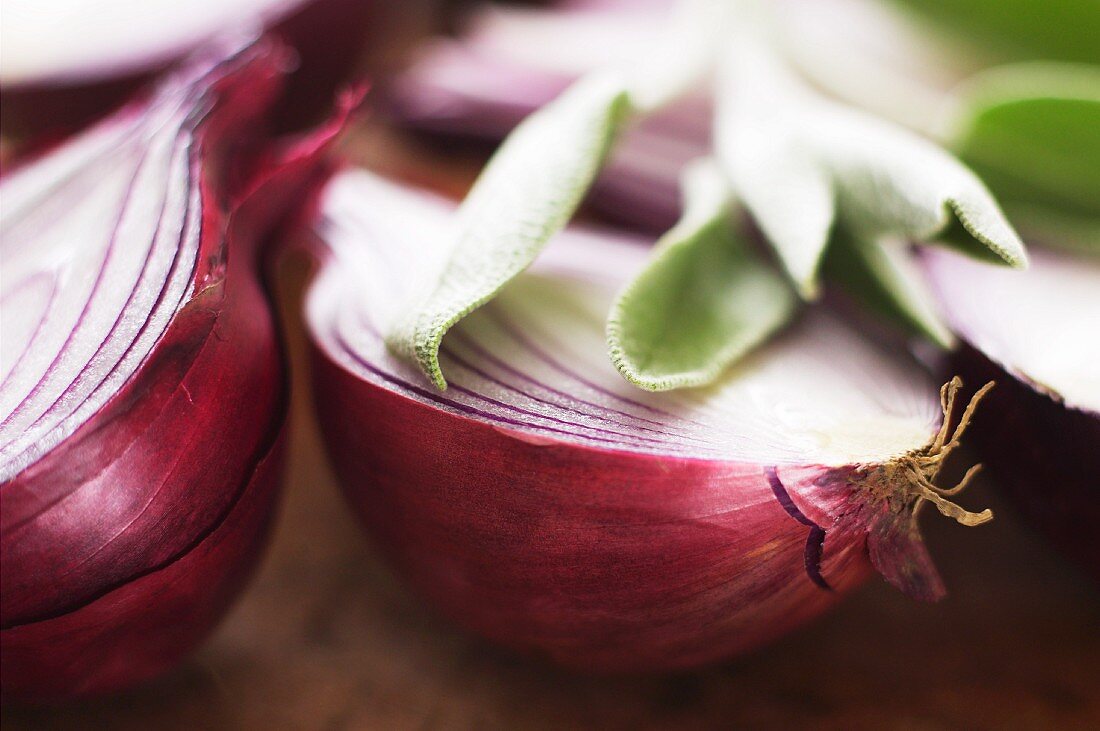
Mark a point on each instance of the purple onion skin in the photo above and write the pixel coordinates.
(599, 560)
(124, 545)
(1043, 453)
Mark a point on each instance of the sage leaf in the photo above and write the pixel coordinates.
(757, 139)
(1033, 132)
(801, 163)
(703, 299)
(882, 277)
(1018, 30)
(1057, 228)
(527, 192)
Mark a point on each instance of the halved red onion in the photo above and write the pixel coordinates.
(544, 502)
(67, 62)
(142, 389)
(1038, 335)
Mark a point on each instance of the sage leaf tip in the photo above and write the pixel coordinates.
(419, 345)
(427, 345)
(808, 288)
(703, 300)
(634, 376)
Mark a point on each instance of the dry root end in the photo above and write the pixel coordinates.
(914, 475)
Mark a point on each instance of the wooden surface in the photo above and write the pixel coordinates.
(327, 638)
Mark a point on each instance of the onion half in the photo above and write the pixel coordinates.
(142, 388)
(547, 504)
(1041, 430)
(67, 62)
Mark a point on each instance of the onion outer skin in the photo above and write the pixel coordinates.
(146, 626)
(196, 434)
(138, 614)
(1043, 452)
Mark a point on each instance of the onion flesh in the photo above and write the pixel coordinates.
(546, 503)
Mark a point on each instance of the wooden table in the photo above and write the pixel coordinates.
(327, 639)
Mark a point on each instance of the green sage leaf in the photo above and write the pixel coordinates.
(1057, 228)
(702, 301)
(528, 191)
(1059, 30)
(801, 162)
(882, 277)
(1033, 132)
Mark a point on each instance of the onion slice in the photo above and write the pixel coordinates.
(142, 388)
(1037, 335)
(69, 62)
(547, 504)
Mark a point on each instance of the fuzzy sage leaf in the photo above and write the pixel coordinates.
(881, 276)
(802, 163)
(1033, 132)
(526, 193)
(702, 301)
(1018, 30)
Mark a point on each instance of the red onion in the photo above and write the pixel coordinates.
(142, 389)
(66, 62)
(545, 503)
(1041, 430)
